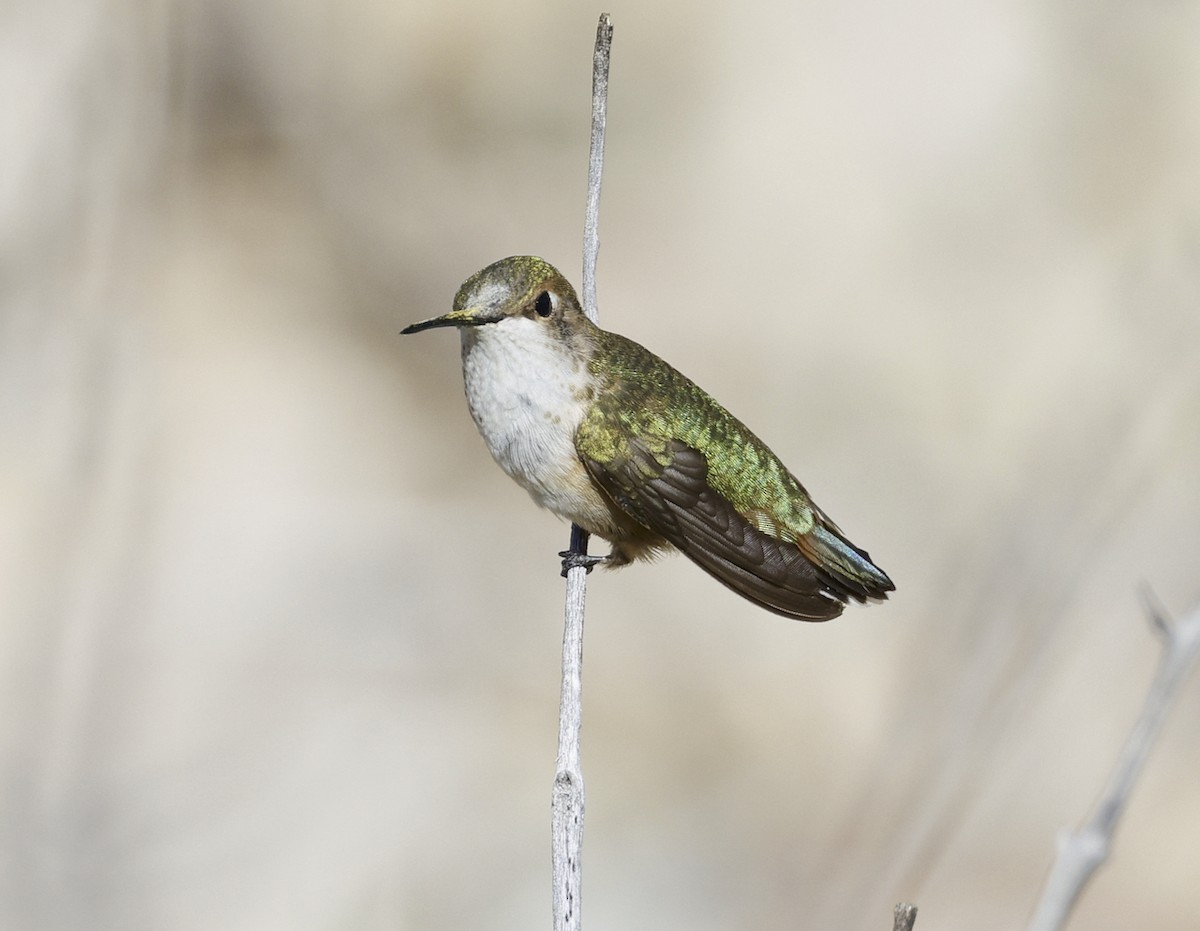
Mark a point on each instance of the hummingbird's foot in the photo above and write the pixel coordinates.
(572, 560)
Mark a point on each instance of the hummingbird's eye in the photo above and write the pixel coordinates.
(544, 304)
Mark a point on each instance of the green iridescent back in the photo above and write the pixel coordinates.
(657, 404)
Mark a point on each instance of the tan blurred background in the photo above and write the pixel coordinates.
(279, 645)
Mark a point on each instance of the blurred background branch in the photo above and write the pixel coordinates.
(1082, 852)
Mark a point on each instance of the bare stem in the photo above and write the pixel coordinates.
(568, 798)
(905, 916)
(591, 221)
(1081, 853)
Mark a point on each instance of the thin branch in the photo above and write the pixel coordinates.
(567, 803)
(591, 221)
(905, 917)
(568, 797)
(1081, 854)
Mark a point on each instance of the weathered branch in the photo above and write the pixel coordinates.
(905, 917)
(591, 220)
(1080, 854)
(568, 798)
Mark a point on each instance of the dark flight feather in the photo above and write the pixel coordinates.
(808, 578)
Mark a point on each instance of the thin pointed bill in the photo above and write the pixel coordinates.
(469, 316)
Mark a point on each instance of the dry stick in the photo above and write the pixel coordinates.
(1081, 854)
(567, 815)
(905, 916)
(591, 236)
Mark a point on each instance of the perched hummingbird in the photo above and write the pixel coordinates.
(606, 434)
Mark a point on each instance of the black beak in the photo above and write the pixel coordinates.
(454, 318)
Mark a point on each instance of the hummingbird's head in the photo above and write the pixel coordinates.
(520, 286)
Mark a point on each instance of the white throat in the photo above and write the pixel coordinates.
(527, 395)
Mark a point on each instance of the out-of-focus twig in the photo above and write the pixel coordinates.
(568, 798)
(1081, 853)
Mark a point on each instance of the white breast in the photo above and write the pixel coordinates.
(527, 397)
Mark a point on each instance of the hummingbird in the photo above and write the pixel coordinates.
(603, 432)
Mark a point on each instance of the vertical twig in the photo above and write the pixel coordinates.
(1080, 854)
(904, 916)
(567, 803)
(568, 798)
(591, 220)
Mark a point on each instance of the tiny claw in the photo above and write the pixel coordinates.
(573, 560)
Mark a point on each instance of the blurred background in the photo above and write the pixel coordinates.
(280, 644)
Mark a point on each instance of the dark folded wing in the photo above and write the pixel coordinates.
(796, 579)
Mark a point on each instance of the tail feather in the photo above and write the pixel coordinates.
(844, 568)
